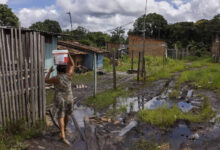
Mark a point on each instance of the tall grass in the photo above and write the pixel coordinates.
(155, 67)
(208, 77)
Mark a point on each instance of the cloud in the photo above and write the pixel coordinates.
(3, 1)
(27, 16)
(99, 15)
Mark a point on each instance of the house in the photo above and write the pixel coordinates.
(83, 55)
(152, 46)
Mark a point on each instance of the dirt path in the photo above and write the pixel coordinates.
(183, 135)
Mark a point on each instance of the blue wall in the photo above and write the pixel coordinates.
(89, 59)
(99, 60)
(49, 47)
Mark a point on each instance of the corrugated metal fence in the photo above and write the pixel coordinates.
(22, 93)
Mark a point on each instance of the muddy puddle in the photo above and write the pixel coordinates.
(181, 135)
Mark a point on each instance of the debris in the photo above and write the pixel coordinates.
(194, 136)
(189, 94)
(185, 107)
(131, 125)
(41, 147)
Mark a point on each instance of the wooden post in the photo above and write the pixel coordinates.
(139, 65)
(114, 70)
(95, 74)
(132, 60)
(6, 80)
(176, 51)
(3, 88)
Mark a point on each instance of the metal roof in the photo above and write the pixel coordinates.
(80, 47)
(72, 50)
(31, 30)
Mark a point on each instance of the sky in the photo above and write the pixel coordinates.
(105, 15)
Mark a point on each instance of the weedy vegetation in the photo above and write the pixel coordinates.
(165, 117)
(15, 134)
(105, 99)
(208, 77)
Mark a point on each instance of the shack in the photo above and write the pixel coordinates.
(153, 47)
(83, 55)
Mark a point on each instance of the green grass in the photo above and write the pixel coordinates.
(202, 62)
(143, 144)
(105, 99)
(15, 134)
(83, 77)
(155, 69)
(125, 64)
(208, 77)
(164, 117)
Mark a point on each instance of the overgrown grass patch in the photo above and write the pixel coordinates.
(105, 99)
(208, 77)
(15, 134)
(156, 67)
(165, 117)
(202, 62)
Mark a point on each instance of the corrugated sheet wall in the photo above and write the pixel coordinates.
(88, 61)
(49, 47)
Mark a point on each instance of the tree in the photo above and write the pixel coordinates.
(118, 35)
(47, 25)
(155, 26)
(38, 26)
(7, 17)
(52, 26)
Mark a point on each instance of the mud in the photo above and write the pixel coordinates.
(183, 135)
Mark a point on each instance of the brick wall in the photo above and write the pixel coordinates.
(153, 47)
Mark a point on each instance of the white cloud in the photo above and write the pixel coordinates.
(27, 16)
(3, 1)
(103, 15)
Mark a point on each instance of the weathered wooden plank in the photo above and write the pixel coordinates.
(19, 112)
(35, 75)
(39, 76)
(1, 99)
(11, 102)
(13, 77)
(6, 85)
(43, 76)
(27, 93)
(2, 85)
(21, 67)
(32, 78)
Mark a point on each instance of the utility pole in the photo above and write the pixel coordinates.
(70, 20)
(144, 44)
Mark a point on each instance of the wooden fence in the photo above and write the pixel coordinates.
(22, 92)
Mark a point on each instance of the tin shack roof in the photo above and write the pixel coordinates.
(80, 47)
(31, 30)
(72, 50)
